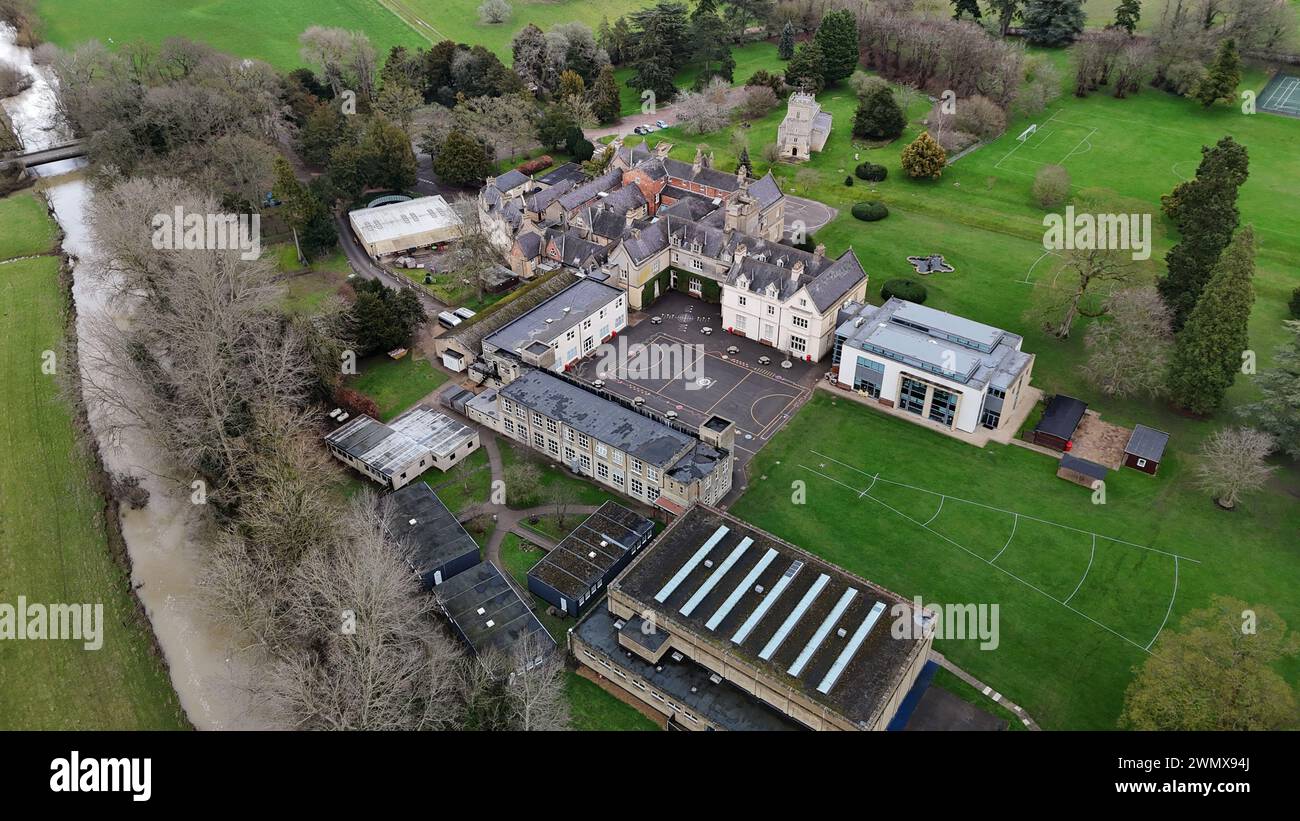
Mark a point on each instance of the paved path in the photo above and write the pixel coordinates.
(667, 113)
(993, 695)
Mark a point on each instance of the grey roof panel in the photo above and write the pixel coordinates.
(1147, 443)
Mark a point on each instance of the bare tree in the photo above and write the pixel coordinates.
(522, 478)
(561, 495)
(344, 59)
(1232, 463)
(537, 685)
(1080, 288)
(474, 257)
(705, 111)
(1129, 354)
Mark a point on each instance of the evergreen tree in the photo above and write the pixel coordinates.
(969, 8)
(1221, 79)
(708, 44)
(1127, 14)
(605, 103)
(924, 157)
(388, 161)
(838, 38)
(743, 162)
(1205, 211)
(1207, 353)
(807, 68)
(879, 117)
(305, 210)
(1053, 22)
(785, 48)
(658, 49)
(461, 160)
(1278, 410)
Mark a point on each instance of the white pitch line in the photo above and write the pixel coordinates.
(1012, 512)
(1167, 612)
(1091, 556)
(936, 513)
(967, 550)
(870, 486)
(1014, 522)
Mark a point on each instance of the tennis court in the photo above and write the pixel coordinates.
(1281, 95)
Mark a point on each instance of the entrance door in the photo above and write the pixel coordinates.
(564, 604)
(437, 577)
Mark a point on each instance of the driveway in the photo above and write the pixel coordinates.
(667, 113)
(366, 267)
(811, 213)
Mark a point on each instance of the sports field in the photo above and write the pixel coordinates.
(1083, 589)
(52, 529)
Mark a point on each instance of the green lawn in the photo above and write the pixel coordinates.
(582, 492)
(306, 290)
(396, 384)
(468, 483)
(450, 288)
(591, 708)
(246, 28)
(52, 523)
(1068, 666)
(25, 227)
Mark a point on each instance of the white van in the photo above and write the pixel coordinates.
(448, 320)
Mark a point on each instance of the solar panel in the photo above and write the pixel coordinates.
(766, 604)
(822, 631)
(691, 564)
(750, 578)
(716, 576)
(855, 642)
(793, 619)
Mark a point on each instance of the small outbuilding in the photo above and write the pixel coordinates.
(437, 547)
(582, 565)
(1060, 420)
(490, 616)
(1145, 449)
(1081, 471)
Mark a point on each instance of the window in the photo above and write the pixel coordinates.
(537, 419)
(539, 441)
(588, 344)
(568, 434)
(507, 406)
(636, 486)
(943, 407)
(569, 456)
(602, 313)
(771, 310)
(618, 457)
(697, 265)
(586, 325)
(553, 446)
(799, 321)
(569, 335)
(911, 396)
(740, 322)
(552, 426)
(636, 465)
(651, 475)
(601, 450)
(651, 493)
(803, 303)
(602, 471)
(1141, 463)
(510, 426)
(798, 344)
(990, 419)
(583, 441)
(997, 393)
(521, 413)
(618, 478)
(740, 300)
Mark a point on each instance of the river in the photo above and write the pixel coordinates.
(206, 669)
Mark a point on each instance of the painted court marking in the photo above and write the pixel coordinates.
(990, 562)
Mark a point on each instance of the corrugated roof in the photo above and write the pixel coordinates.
(402, 219)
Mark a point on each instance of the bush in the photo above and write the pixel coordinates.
(870, 211)
(757, 102)
(871, 172)
(848, 182)
(1051, 186)
(532, 166)
(905, 289)
(980, 116)
(1182, 77)
(924, 158)
(355, 402)
(1295, 303)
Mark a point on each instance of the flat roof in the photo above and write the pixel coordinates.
(800, 620)
(549, 319)
(1147, 443)
(403, 219)
(949, 323)
(685, 682)
(1090, 469)
(430, 532)
(490, 615)
(954, 361)
(389, 448)
(584, 556)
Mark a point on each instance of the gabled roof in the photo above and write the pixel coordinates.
(578, 196)
(511, 179)
(1147, 443)
(650, 238)
(574, 250)
(542, 200)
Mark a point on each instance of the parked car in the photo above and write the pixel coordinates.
(464, 313)
(661, 123)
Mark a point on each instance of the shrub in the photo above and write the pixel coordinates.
(1294, 304)
(355, 402)
(870, 211)
(879, 116)
(871, 172)
(766, 79)
(953, 141)
(848, 182)
(532, 166)
(757, 102)
(979, 115)
(494, 11)
(1182, 77)
(1051, 186)
(905, 289)
(924, 158)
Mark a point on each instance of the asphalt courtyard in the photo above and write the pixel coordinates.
(675, 366)
(806, 216)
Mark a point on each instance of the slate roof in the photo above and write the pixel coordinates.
(572, 199)
(1062, 416)
(541, 200)
(511, 179)
(555, 315)
(430, 533)
(574, 250)
(1147, 443)
(633, 433)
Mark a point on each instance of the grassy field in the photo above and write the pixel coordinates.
(581, 492)
(396, 384)
(1076, 614)
(591, 708)
(51, 521)
(245, 28)
(949, 681)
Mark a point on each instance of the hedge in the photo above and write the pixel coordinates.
(870, 211)
(871, 172)
(905, 289)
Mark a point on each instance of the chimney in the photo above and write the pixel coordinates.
(636, 233)
(699, 159)
(627, 217)
(662, 149)
(739, 254)
(491, 182)
(820, 250)
(796, 271)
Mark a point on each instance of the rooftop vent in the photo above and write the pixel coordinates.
(591, 554)
(715, 678)
(677, 656)
(758, 588)
(481, 611)
(659, 668)
(618, 625)
(411, 522)
(708, 562)
(491, 623)
(841, 632)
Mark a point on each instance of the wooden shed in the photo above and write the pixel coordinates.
(1081, 471)
(1056, 429)
(1145, 449)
